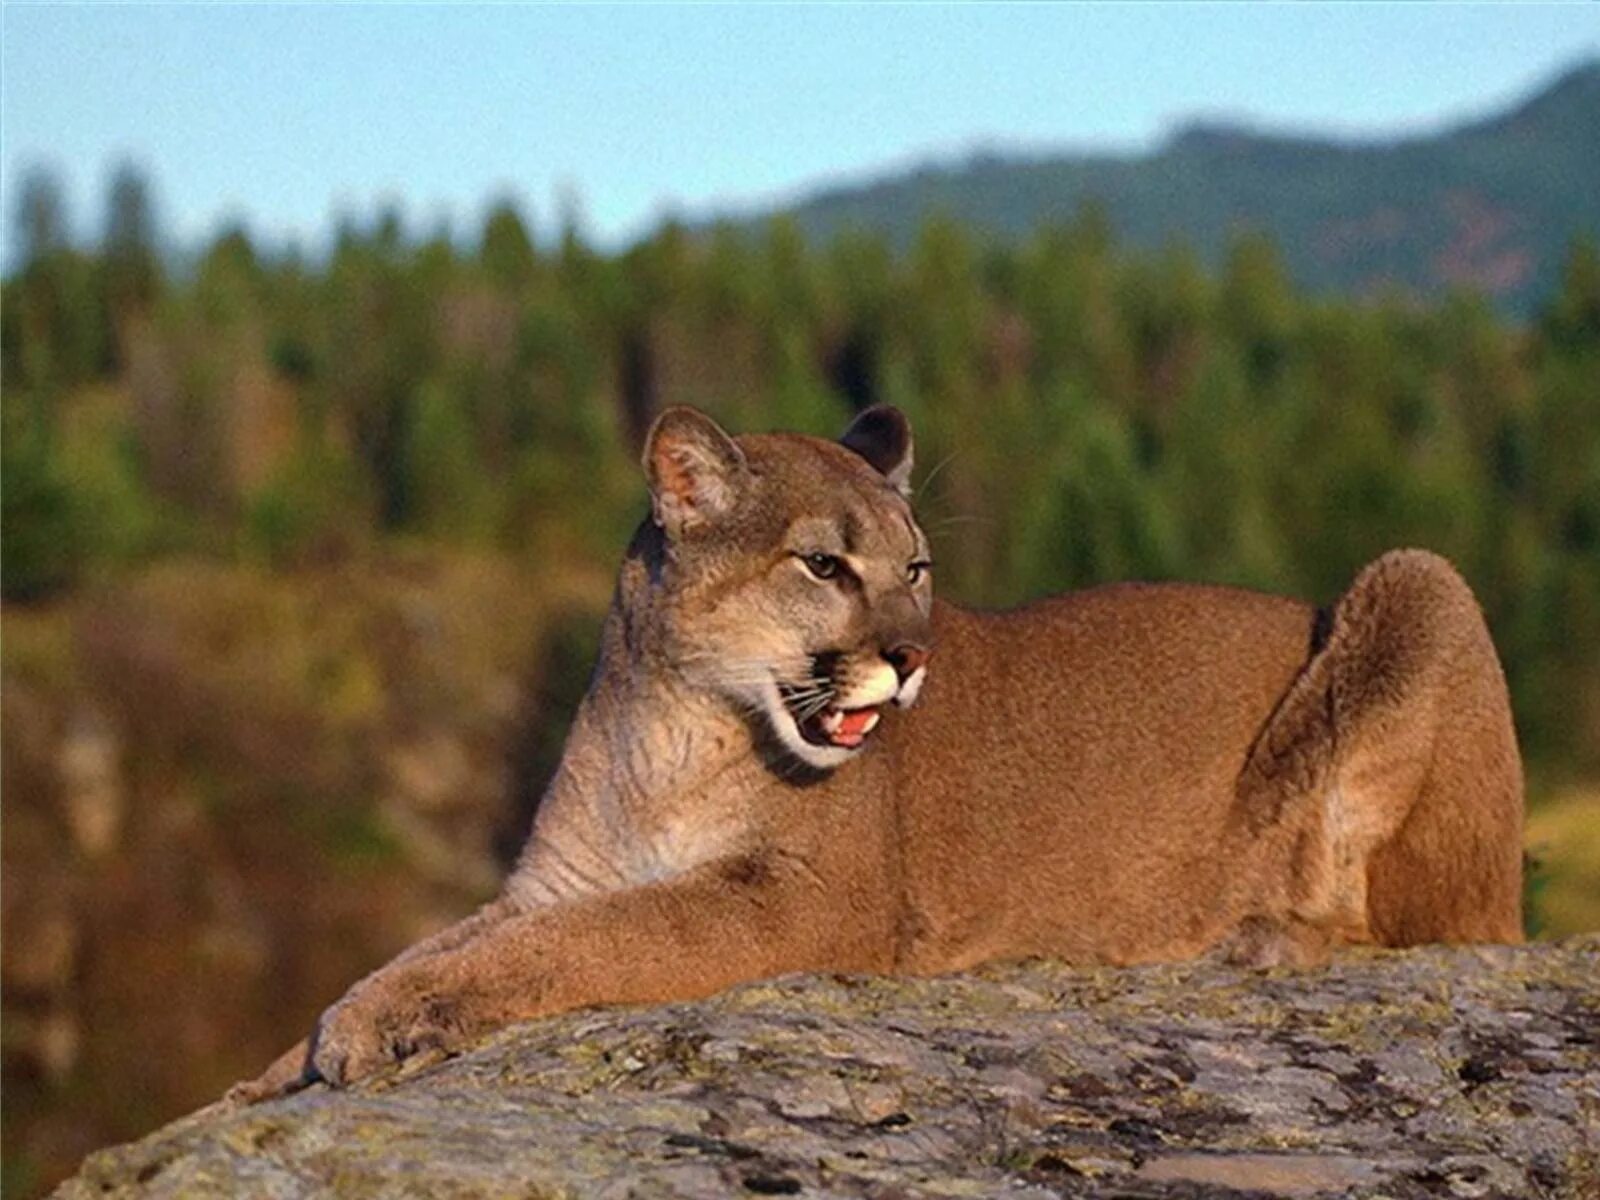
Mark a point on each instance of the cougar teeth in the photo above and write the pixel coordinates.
(832, 719)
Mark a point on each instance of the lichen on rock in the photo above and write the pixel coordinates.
(1442, 1072)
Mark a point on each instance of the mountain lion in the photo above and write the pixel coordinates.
(792, 758)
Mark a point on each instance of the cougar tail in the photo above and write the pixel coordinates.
(1391, 764)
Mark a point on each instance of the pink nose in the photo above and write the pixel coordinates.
(907, 658)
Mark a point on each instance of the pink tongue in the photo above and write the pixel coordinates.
(853, 725)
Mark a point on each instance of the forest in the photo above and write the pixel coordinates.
(233, 478)
(1083, 414)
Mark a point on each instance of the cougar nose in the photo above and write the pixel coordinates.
(906, 659)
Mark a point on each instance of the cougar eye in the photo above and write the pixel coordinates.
(916, 572)
(823, 566)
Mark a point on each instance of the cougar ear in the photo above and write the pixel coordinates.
(882, 436)
(694, 469)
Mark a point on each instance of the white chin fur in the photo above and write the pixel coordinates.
(822, 758)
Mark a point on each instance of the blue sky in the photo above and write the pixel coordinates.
(286, 115)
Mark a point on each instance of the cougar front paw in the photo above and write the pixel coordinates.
(380, 1027)
(287, 1075)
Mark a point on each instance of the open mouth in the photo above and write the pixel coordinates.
(829, 724)
(843, 727)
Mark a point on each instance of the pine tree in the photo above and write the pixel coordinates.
(130, 251)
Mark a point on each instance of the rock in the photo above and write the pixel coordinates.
(1442, 1072)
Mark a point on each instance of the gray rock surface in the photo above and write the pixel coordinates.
(1445, 1072)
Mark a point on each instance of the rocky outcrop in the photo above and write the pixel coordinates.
(1445, 1072)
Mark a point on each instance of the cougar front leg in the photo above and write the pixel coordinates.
(720, 924)
(292, 1070)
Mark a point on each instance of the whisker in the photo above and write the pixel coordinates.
(807, 689)
(934, 474)
(807, 711)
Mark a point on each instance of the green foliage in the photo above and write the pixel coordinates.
(312, 509)
(1084, 412)
(75, 500)
(130, 257)
(508, 254)
(449, 494)
(1101, 520)
(37, 532)
(1573, 319)
(1535, 882)
(117, 521)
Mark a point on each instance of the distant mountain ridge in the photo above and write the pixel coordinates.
(1491, 204)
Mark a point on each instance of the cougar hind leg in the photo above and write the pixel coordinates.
(1388, 780)
(1453, 870)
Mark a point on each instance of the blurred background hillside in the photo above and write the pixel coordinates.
(306, 538)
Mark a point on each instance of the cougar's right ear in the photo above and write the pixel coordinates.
(882, 436)
(694, 469)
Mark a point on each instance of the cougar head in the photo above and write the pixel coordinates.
(793, 580)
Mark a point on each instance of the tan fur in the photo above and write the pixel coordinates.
(1122, 775)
